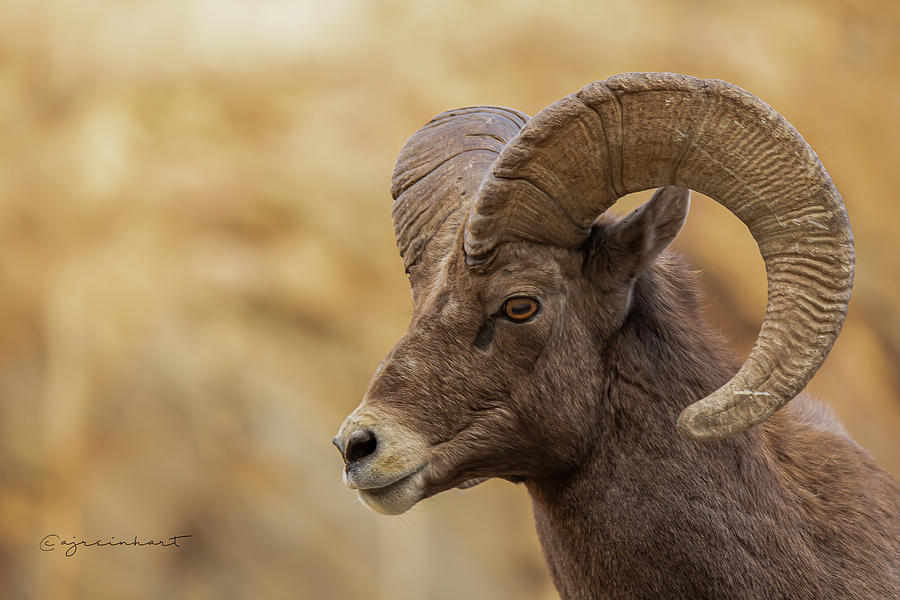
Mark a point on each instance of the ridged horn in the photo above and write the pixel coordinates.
(642, 130)
(437, 174)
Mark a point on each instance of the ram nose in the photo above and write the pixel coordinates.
(356, 444)
(378, 450)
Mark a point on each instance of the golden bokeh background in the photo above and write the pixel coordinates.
(199, 275)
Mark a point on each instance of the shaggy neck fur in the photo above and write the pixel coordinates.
(650, 515)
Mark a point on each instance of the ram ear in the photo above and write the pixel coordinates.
(630, 244)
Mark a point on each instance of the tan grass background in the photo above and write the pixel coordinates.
(198, 274)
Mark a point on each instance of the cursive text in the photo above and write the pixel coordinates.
(52, 541)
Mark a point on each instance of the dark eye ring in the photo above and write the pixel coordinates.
(520, 309)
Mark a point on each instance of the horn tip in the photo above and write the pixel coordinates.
(697, 423)
(693, 427)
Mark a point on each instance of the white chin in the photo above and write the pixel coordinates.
(396, 498)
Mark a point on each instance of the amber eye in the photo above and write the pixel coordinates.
(520, 309)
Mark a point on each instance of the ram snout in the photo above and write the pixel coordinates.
(383, 460)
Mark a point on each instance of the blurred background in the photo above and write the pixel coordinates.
(198, 273)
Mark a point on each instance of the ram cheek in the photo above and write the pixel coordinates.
(474, 455)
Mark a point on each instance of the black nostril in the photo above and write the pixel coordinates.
(361, 444)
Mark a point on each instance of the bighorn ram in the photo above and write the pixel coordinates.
(552, 347)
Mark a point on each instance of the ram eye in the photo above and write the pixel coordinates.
(520, 309)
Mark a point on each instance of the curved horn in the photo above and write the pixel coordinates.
(642, 130)
(439, 170)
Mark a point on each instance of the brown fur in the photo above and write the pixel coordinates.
(580, 404)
